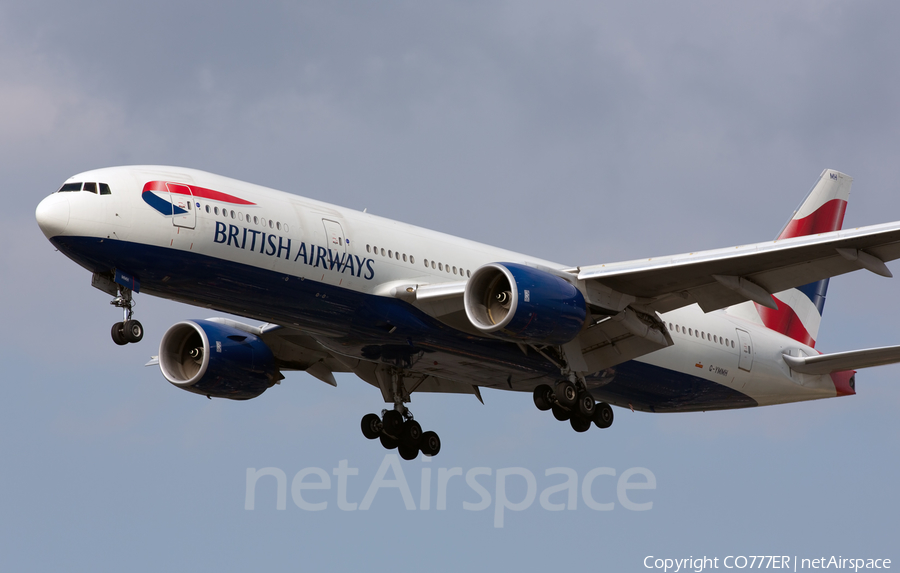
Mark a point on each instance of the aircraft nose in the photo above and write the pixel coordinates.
(52, 214)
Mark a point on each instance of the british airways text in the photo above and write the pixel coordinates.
(277, 246)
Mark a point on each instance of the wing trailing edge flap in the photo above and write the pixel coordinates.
(842, 361)
(723, 277)
(621, 337)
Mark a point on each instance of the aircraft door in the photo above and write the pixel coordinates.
(183, 211)
(334, 235)
(746, 349)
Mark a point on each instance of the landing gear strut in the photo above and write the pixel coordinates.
(396, 428)
(129, 330)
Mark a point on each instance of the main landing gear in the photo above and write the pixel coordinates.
(397, 430)
(129, 330)
(574, 403)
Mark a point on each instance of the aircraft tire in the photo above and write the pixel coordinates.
(603, 415)
(586, 405)
(118, 334)
(133, 331)
(389, 443)
(411, 434)
(543, 397)
(566, 394)
(430, 444)
(408, 452)
(393, 423)
(580, 424)
(561, 414)
(371, 426)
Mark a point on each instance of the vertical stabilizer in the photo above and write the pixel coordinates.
(799, 311)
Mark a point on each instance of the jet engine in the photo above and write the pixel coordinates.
(213, 359)
(523, 304)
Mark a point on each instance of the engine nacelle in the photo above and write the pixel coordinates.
(523, 304)
(212, 359)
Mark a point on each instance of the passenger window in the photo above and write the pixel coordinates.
(271, 224)
(468, 273)
(216, 210)
(286, 228)
(233, 215)
(92, 187)
(412, 259)
(104, 189)
(278, 226)
(255, 220)
(207, 208)
(240, 216)
(390, 256)
(432, 264)
(454, 270)
(382, 251)
(368, 248)
(70, 187)
(404, 257)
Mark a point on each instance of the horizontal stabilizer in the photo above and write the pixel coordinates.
(840, 361)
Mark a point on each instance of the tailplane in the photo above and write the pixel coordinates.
(799, 312)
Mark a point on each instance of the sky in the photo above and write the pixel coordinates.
(580, 132)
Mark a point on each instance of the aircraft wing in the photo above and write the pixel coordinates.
(722, 277)
(296, 350)
(838, 361)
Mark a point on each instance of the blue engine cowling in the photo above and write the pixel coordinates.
(213, 359)
(523, 304)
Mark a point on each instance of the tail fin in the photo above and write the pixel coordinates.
(799, 311)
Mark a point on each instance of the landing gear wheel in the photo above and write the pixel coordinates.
(430, 444)
(561, 414)
(411, 434)
(134, 331)
(408, 452)
(388, 442)
(566, 394)
(586, 405)
(580, 424)
(543, 397)
(118, 334)
(371, 426)
(393, 422)
(603, 415)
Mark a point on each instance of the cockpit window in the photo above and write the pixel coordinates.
(90, 187)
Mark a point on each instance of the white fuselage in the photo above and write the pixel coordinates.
(295, 238)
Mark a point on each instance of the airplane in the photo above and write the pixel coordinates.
(411, 310)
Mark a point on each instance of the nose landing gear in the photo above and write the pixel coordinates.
(129, 330)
